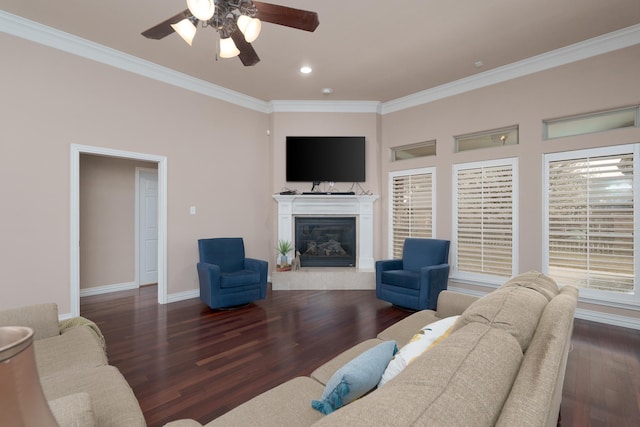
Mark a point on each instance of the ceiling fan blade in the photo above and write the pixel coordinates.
(248, 54)
(163, 29)
(287, 16)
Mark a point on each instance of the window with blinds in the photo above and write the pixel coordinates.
(590, 228)
(484, 240)
(412, 196)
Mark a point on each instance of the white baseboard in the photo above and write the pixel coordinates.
(181, 296)
(99, 290)
(608, 318)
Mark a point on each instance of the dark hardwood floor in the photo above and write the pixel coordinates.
(184, 360)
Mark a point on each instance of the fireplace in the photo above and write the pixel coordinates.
(357, 207)
(326, 241)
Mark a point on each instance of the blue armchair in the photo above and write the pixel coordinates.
(227, 278)
(414, 281)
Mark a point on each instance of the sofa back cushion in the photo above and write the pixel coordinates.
(537, 281)
(514, 307)
(477, 362)
(453, 303)
(225, 252)
(418, 253)
(42, 318)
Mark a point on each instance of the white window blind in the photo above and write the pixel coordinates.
(590, 219)
(484, 223)
(411, 206)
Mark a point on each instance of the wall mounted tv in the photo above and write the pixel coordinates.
(325, 158)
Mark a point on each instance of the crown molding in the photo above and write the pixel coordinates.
(44, 35)
(324, 106)
(609, 42)
(38, 33)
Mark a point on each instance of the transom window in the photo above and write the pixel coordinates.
(592, 122)
(486, 139)
(420, 149)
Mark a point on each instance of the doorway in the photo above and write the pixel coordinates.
(161, 220)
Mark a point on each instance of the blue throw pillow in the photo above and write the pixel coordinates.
(356, 378)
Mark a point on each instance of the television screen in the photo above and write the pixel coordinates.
(325, 158)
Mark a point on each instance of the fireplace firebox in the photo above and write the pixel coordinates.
(326, 241)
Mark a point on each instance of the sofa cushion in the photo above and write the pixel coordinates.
(356, 378)
(401, 278)
(239, 278)
(284, 405)
(42, 318)
(324, 373)
(77, 348)
(423, 340)
(477, 362)
(513, 309)
(115, 404)
(535, 280)
(453, 303)
(74, 410)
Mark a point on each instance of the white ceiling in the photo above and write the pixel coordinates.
(363, 49)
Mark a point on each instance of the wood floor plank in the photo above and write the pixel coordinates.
(184, 360)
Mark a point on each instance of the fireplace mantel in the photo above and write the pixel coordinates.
(361, 207)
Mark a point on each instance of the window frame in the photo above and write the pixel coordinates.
(483, 278)
(595, 296)
(409, 173)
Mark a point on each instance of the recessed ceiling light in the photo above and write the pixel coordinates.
(478, 64)
(327, 91)
(305, 69)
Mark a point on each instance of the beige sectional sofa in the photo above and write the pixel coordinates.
(503, 363)
(80, 386)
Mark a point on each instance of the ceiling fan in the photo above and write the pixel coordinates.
(237, 21)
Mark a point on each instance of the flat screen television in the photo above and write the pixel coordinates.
(325, 158)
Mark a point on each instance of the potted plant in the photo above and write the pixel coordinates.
(283, 248)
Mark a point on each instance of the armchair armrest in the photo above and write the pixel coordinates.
(437, 277)
(209, 272)
(435, 269)
(256, 265)
(262, 267)
(389, 264)
(384, 265)
(42, 318)
(209, 280)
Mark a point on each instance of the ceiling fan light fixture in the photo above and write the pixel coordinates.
(228, 48)
(249, 27)
(185, 29)
(202, 9)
